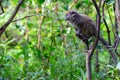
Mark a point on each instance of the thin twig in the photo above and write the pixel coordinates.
(113, 29)
(26, 17)
(105, 22)
(1, 7)
(32, 16)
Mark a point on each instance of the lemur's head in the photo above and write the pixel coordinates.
(70, 15)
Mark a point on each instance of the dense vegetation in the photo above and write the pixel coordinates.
(40, 45)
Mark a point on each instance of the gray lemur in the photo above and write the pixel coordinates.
(85, 28)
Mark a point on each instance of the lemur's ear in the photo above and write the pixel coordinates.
(72, 12)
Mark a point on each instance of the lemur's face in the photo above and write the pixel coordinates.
(69, 15)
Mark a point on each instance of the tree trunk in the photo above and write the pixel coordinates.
(88, 65)
(117, 12)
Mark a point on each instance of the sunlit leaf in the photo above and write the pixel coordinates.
(118, 66)
(110, 2)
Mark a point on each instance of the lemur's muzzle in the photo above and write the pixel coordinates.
(66, 18)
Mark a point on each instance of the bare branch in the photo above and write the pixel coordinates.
(105, 22)
(2, 29)
(32, 16)
(2, 10)
(98, 26)
(91, 51)
(113, 29)
(25, 17)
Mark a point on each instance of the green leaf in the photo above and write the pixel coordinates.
(41, 1)
(65, 7)
(17, 26)
(110, 2)
(78, 5)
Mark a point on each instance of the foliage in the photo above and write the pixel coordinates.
(61, 55)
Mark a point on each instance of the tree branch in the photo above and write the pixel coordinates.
(113, 29)
(1, 7)
(91, 51)
(98, 27)
(105, 22)
(2, 29)
(116, 43)
(26, 17)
